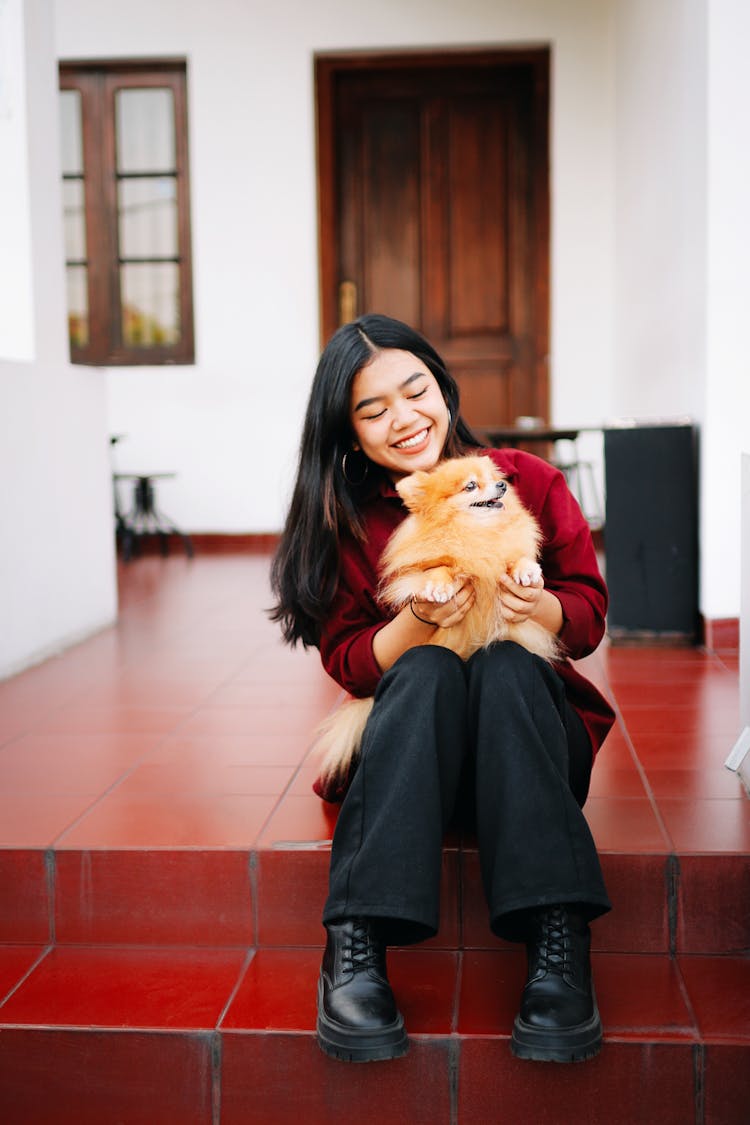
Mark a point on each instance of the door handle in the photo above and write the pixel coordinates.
(347, 302)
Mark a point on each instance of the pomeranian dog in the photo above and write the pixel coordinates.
(465, 524)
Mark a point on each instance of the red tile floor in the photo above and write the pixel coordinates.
(163, 866)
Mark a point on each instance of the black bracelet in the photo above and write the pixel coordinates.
(422, 619)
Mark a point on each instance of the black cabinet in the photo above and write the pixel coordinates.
(651, 532)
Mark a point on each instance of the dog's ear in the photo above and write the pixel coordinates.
(411, 489)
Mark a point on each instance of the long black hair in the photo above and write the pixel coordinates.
(325, 502)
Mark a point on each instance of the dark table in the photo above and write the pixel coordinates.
(518, 435)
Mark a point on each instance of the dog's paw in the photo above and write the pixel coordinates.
(527, 573)
(440, 592)
(439, 585)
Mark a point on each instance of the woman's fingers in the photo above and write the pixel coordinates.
(460, 606)
(517, 608)
(530, 592)
(445, 613)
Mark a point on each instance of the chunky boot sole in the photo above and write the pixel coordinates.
(564, 1045)
(352, 1045)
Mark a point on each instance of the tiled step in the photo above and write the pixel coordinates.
(224, 1036)
(273, 896)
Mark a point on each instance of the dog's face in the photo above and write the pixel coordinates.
(465, 484)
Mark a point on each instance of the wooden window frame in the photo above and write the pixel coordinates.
(97, 83)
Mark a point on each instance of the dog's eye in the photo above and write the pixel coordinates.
(471, 486)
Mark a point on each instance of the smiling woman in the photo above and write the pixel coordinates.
(503, 738)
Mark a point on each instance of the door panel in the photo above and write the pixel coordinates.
(440, 175)
(477, 219)
(390, 209)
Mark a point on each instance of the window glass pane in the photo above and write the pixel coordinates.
(78, 306)
(148, 218)
(150, 304)
(145, 130)
(74, 220)
(71, 139)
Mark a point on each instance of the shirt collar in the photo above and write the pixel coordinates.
(505, 461)
(387, 489)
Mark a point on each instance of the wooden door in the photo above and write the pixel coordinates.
(433, 188)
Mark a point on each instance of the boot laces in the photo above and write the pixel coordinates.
(363, 954)
(554, 948)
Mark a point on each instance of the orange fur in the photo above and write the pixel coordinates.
(465, 523)
(447, 529)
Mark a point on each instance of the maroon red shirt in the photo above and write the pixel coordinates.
(568, 563)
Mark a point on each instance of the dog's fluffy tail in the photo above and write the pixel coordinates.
(535, 638)
(339, 738)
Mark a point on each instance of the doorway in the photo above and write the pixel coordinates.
(433, 179)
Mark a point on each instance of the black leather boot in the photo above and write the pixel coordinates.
(559, 1020)
(357, 1016)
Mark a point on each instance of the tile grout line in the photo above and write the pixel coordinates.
(249, 956)
(50, 870)
(48, 948)
(217, 1043)
(252, 869)
(673, 873)
(686, 997)
(457, 990)
(699, 1082)
(217, 1058)
(454, 1060)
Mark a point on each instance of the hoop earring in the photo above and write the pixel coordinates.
(346, 476)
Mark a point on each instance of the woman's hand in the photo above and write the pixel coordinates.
(415, 624)
(521, 603)
(426, 607)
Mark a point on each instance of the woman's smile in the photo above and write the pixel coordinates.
(416, 439)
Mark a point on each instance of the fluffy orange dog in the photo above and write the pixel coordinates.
(465, 523)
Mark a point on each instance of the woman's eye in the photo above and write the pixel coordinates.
(372, 417)
(471, 486)
(418, 394)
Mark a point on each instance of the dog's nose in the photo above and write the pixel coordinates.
(501, 488)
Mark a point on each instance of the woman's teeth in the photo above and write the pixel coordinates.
(411, 441)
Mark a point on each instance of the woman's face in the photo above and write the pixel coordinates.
(398, 413)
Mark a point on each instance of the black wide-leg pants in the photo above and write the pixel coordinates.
(499, 723)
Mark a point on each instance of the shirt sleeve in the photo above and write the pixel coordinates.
(570, 568)
(347, 635)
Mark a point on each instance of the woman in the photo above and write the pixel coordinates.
(504, 738)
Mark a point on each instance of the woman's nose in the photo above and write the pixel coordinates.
(404, 414)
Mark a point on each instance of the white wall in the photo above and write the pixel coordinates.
(683, 241)
(727, 402)
(745, 598)
(57, 576)
(230, 425)
(660, 213)
(16, 304)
